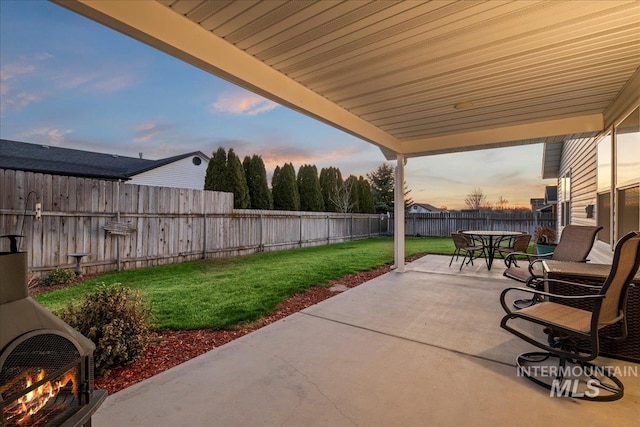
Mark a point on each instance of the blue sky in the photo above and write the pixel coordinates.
(70, 82)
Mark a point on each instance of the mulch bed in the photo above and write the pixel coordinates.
(168, 348)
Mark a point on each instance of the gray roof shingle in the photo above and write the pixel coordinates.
(66, 161)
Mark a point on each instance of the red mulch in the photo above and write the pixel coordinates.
(170, 348)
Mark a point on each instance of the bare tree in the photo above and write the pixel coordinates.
(476, 199)
(341, 196)
(502, 203)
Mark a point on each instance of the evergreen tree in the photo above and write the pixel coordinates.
(382, 188)
(309, 189)
(274, 178)
(365, 198)
(216, 176)
(256, 176)
(237, 181)
(285, 189)
(331, 186)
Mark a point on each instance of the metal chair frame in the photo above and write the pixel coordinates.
(465, 243)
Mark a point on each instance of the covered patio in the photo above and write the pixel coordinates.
(419, 348)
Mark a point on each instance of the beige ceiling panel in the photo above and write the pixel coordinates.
(204, 10)
(439, 108)
(324, 38)
(444, 98)
(387, 31)
(292, 26)
(277, 21)
(461, 87)
(420, 50)
(250, 16)
(333, 19)
(473, 61)
(184, 6)
(223, 15)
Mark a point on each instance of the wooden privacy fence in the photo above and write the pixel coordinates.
(443, 224)
(133, 226)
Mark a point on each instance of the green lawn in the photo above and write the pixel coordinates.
(220, 293)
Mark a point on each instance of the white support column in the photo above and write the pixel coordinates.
(398, 235)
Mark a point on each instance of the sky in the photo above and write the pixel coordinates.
(70, 82)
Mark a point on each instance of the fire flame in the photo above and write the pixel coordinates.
(30, 403)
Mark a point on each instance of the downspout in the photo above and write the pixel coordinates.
(398, 200)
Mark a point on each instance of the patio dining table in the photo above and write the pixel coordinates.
(490, 239)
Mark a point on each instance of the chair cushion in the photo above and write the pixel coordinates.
(561, 315)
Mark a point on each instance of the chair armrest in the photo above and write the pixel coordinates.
(523, 254)
(532, 263)
(566, 282)
(508, 310)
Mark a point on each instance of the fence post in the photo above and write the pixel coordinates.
(300, 216)
(118, 264)
(328, 229)
(260, 243)
(204, 234)
(351, 227)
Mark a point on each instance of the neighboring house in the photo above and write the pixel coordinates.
(550, 201)
(537, 204)
(422, 208)
(182, 171)
(599, 177)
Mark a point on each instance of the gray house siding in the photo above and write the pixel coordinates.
(580, 160)
(580, 157)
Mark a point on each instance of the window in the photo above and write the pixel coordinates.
(628, 174)
(604, 216)
(603, 211)
(628, 210)
(628, 150)
(565, 188)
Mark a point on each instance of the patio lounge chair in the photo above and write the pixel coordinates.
(572, 338)
(467, 245)
(575, 244)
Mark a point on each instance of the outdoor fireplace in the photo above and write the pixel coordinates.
(46, 367)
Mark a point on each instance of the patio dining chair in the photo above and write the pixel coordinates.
(514, 244)
(570, 336)
(468, 246)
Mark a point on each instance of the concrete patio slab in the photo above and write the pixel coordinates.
(384, 353)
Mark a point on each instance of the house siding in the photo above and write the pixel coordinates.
(580, 157)
(179, 174)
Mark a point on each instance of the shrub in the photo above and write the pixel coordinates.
(59, 276)
(545, 235)
(116, 319)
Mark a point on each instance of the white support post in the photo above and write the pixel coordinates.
(398, 235)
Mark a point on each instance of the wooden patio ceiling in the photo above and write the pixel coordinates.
(413, 77)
